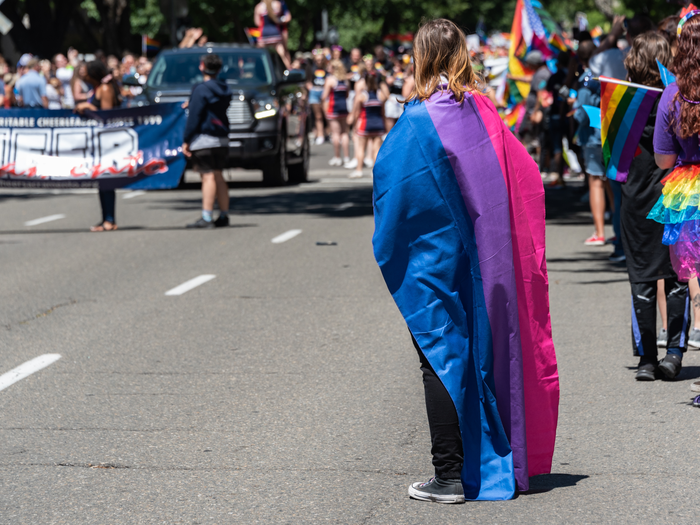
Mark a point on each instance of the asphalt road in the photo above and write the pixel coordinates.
(286, 389)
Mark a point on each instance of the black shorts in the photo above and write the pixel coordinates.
(208, 160)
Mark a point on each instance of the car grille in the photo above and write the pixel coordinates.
(239, 113)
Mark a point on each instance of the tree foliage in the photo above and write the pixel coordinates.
(115, 25)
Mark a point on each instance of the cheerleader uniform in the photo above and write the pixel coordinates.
(317, 86)
(677, 208)
(371, 123)
(271, 33)
(393, 108)
(338, 101)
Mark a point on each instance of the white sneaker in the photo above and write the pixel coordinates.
(368, 163)
(319, 141)
(335, 161)
(351, 165)
(355, 174)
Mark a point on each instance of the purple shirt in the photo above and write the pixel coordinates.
(666, 139)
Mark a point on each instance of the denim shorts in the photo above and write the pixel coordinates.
(593, 158)
(315, 96)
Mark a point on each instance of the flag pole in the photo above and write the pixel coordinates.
(630, 84)
(143, 45)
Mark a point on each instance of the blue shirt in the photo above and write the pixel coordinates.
(31, 87)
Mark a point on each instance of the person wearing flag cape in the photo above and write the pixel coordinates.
(460, 241)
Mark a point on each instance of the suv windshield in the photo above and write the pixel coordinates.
(241, 67)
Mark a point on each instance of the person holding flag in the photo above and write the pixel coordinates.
(676, 146)
(648, 260)
(460, 240)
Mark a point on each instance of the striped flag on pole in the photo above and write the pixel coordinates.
(625, 108)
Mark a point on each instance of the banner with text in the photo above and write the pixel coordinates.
(138, 148)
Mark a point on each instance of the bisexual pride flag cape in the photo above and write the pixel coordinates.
(460, 240)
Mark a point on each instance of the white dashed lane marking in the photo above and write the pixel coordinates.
(42, 220)
(27, 369)
(286, 236)
(132, 194)
(189, 285)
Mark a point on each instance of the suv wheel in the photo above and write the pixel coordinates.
(300, 172)
(275, 171)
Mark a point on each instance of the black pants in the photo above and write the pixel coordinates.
(447, 451)
(644, 318)
(108, 204)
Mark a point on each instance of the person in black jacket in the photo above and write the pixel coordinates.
(206, 140)
(648, 260)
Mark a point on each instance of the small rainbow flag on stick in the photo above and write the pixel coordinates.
(625, 108)
(149, 45)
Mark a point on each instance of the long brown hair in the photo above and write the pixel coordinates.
(686, 67)
(440, 49)
(271, 12)
(640, 63)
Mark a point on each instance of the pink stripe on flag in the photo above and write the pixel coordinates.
(540, 376)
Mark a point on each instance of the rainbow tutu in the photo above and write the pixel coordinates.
(677, 210)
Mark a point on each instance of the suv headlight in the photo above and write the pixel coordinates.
(265, 107)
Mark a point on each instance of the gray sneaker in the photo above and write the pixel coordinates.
(438, 490)
(662, 340)
(694, 339)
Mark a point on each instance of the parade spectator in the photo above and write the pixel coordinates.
(335, 99)
(589, 94)
(530, 127)
(105, 95)
(368, 117)
(444, 240)
(668, 28)
(128, 64)
(54, 93)
(648, 260)
(558, 121)
(206, 140)
(31, 87)
(46, 69)
(676, 146)
(272, 18)
(79, 86)
(315, 93)
(64, 74)
(607, 59)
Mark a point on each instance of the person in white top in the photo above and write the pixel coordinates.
(64, 74)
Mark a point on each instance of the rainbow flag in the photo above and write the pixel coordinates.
(624, 110)
(517, 51)
(465, 264)
(515, 116)
(252, 33)
(557, 42)
(148, 45)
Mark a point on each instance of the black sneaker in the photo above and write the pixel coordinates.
(438, 490)
(646, 372)
(201, 223)
(670, 365)
(221, 222)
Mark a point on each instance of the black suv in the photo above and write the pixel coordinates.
(268, 113)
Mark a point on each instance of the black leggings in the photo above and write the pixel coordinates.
(644, 318)
(447, 451)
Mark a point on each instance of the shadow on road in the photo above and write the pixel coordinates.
(117, 232)
(564, 206)
(547, 482)
(338, 202)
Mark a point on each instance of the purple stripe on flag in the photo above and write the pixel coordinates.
(623, 155)
(475, 163)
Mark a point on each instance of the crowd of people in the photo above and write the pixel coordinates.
(355, 98)
(67, 81)
(555, 120)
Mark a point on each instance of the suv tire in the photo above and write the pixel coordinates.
(300, 172)
(275, 170)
